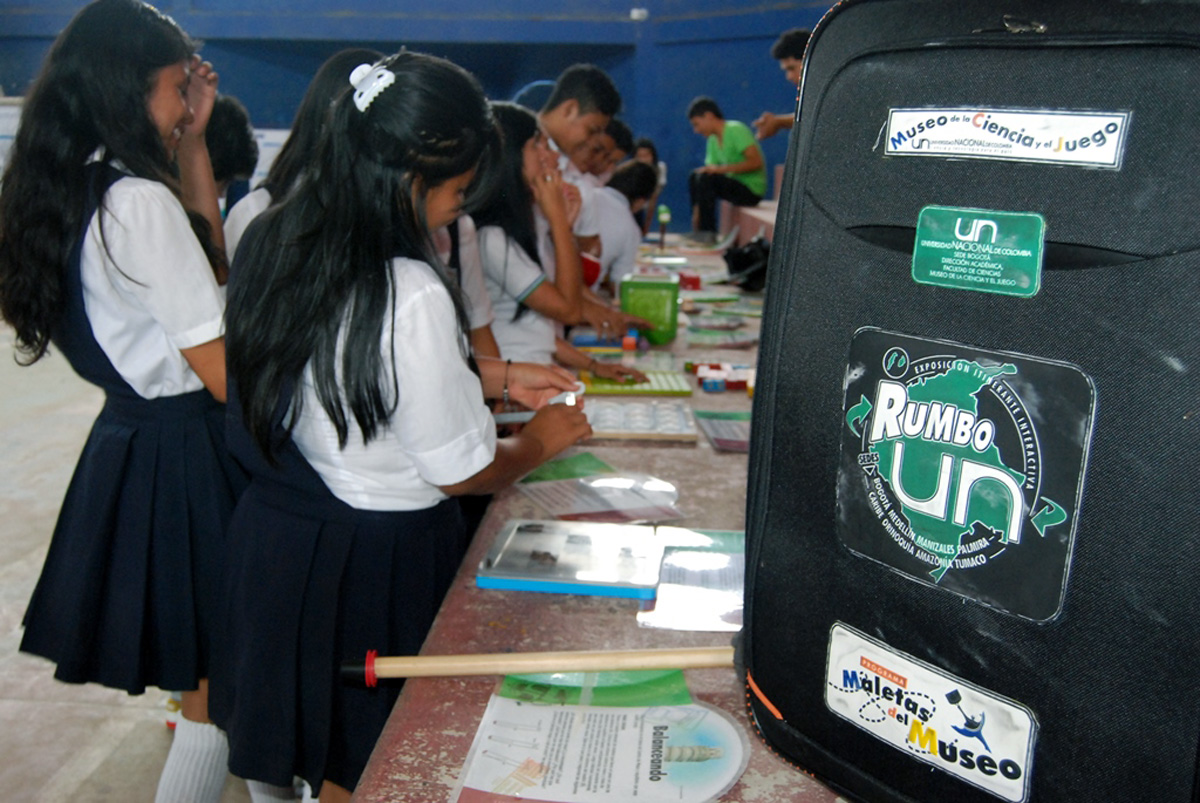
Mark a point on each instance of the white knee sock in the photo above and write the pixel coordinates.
(197, 765)
(266, 793)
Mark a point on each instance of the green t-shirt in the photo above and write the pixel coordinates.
(736, 139)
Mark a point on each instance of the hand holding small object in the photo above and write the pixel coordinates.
(558, 426)
(535, 385)
(570, 396)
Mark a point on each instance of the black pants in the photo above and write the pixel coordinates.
(707, 188)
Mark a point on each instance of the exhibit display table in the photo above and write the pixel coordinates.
(427, 739)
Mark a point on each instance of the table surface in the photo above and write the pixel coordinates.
(426, 741)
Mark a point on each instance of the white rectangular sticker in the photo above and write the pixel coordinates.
(966, 731)
(1083, 139)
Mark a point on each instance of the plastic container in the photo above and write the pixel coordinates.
(655, 298)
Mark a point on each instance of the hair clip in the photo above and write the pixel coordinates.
(368, 81)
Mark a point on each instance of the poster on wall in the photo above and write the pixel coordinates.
(10, 115)
(269, 140)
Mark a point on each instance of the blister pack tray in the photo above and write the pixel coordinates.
(646, 420)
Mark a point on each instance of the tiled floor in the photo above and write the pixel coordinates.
(59, 742)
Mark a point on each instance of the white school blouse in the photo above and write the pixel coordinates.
(511, 276)
(440, 432)
(470, 278)
(241, 215)
(151, 291)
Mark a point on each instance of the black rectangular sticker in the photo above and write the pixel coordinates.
(963, 468)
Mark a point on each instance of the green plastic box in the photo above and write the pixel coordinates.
(655, 298)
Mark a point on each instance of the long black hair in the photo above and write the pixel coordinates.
(511, 207)
(301, 145)
(314, 281)
(91, 95)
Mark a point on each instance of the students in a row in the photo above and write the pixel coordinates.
(530, 257)
(360, 412)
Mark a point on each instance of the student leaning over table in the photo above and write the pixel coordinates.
(357, 408)
(529, 256)
(580, 107)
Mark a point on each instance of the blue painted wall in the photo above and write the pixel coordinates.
(266, 51)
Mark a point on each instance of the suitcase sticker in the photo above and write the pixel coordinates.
(963, 468)
(971, 733)
(1047, 136)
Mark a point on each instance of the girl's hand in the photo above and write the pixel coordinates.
(533, 385)
(547, 156)
(572, 201)
(610, 321)
(557, 426)
(547, 185)
(617, 372)
(548, 193)
(201, 93)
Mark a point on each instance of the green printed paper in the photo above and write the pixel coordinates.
(584, 464)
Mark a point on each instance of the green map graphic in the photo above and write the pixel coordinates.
(989, 504)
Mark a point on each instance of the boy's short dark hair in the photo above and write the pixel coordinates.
(635, 180)
(704, 104)
(621, 134)
(790, 44)
(230, 139)
(590, 86)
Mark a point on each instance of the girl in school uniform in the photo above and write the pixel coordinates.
(109, 258)
(530, 258)
(301, 145)
(354, 403)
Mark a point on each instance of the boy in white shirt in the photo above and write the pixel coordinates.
(627, 192)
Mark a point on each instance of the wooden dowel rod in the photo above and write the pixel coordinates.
(413, 666)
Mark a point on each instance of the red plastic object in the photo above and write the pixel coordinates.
(591, 269)
(371, 679)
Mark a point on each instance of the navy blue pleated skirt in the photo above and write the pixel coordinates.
(131, 592)
(315, 583)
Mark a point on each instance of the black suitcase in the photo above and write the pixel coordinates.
(973, 541)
